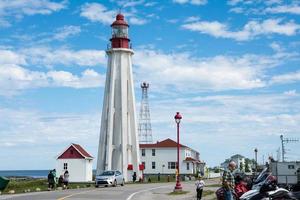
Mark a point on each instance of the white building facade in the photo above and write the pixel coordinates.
(286, 172)
(161, 157)
(77, 162)
(238, 159)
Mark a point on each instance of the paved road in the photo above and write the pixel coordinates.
(157, 191)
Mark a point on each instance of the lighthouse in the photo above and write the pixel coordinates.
(118, 143)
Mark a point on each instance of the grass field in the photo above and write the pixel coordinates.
(31, 184)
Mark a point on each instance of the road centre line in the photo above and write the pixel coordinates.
(71, 195)
(129, 198)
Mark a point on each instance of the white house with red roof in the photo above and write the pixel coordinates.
(161, 157)
(77, 161)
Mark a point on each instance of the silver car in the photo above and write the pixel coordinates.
(108, 178)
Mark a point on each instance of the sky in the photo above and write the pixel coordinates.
(232, 68)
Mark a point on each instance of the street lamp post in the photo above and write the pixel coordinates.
(178, 186)
(255, 151)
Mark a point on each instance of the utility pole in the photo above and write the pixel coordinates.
(255, 151)
(284, 141)
(278, 154)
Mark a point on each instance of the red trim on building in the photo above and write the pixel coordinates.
(141, 167)
(165, 144)
(192, 160)
(82, 151)
(75, 151)
(130, 167)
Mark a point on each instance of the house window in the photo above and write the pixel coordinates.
(153, 152)
(65, 166)
(153, 165)
(143, 163)
(187, 166)
(171, 165)
(143, 152)
(291, 166)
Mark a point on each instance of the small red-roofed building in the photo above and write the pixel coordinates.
(77, 161)
(161, 157)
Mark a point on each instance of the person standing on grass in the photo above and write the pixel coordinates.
(228, 181)
(51, 181)
(66, 179)
(199, 187)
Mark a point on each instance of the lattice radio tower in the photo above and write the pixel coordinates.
(144, 129)
(284, 141)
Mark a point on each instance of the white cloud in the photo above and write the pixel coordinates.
(192, 19)
(49, 57)
(66, 31)
(250, 30)
(19, 8)
(186, 73)
(14, 79)
(291, 93)
(137, 21)
(130, 3)
(10, 57)
(286, 78)
(291, 9)
(276, 47)
(88, 79)
(47, 132)
(15, 76)
(262, 7)
(242, 118)
(193, 2)
(97, 12)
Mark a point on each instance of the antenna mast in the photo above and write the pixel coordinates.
(284, 141)
(144, 129)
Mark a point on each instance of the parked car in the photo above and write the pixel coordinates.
(108, 178)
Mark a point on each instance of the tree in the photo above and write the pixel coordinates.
(241, 166)
(247, 168)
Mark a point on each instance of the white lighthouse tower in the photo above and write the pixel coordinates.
(118, 144)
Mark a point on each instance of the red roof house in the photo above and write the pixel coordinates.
(77, 161)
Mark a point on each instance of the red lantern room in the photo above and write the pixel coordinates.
(120, 33)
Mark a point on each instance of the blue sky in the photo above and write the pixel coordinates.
(230, 67)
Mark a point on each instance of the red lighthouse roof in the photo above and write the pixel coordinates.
(119, 21)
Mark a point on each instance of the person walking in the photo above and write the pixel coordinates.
(228, 181)
(199, 187)
(66, 179)
(134, 177)
(51, 181)
(54, 177)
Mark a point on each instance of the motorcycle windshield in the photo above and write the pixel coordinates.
(262, 176)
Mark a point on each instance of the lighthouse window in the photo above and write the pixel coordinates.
(120, 31)
(143, 152)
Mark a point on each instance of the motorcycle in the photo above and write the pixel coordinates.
(267, 189)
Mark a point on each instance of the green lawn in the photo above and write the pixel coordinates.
(21, 185)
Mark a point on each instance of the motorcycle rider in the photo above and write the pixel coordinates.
(228, 181)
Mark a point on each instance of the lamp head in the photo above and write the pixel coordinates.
(178, 117)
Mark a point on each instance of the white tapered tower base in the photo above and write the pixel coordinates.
(118, 145)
